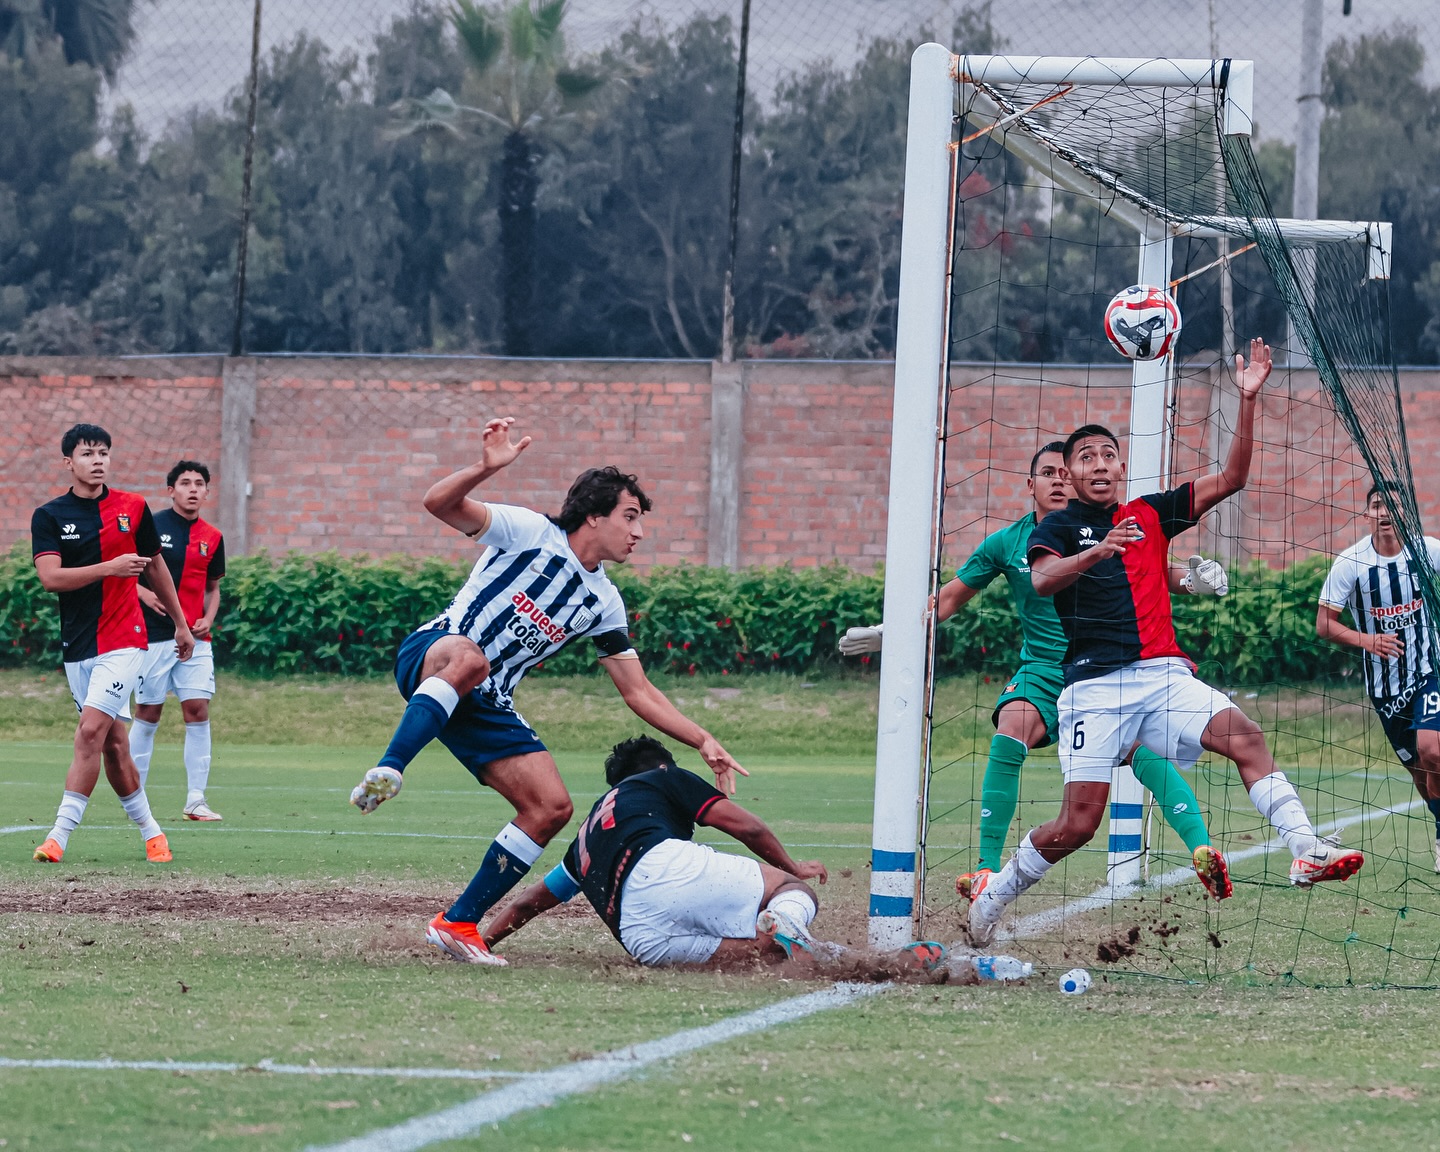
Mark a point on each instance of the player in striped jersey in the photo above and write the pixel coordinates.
(1375, 581)
(539, 583)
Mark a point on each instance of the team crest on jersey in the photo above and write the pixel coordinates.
(122, 521)
(204, 548)
(582, 620)
(1011, 687)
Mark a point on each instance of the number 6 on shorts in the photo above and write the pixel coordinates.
(1077, 736)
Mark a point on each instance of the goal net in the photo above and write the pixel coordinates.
(1037, 188)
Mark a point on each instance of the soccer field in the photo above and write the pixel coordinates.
(285, 947)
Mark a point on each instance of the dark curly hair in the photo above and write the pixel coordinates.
(595, 492)
(636, 755)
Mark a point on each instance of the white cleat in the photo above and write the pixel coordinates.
(1437, 854)
(379, 785)
(985, 914)
(199, 810)
(1326, 861)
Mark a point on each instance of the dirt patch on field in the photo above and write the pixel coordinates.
(210, 902)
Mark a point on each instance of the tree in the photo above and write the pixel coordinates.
(93, 32)
(521, 84)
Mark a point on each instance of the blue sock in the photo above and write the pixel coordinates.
(1434, 806)
(505, 865)
(427, 713)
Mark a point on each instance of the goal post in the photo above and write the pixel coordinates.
(954, 99)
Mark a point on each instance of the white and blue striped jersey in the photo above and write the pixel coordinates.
(527, 597)
(1383, 595)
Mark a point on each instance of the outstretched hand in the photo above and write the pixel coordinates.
(1250, 378)
(722, 764)
(499, 450)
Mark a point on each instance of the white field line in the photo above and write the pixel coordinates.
(1039, 923)
(545, 1088)
(212, 831)
(108, 1065)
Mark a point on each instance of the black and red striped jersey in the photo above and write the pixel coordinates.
(1117, 612)
(103, 616)
(194, 551)
(640, 812)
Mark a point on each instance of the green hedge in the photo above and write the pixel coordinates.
(332, 613)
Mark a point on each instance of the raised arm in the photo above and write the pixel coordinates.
(449, 499)
(654, 707)
(1210, 490)
(755, 834)
(951, 598)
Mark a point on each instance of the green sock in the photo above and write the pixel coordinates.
(999, 793)
(1174, 796)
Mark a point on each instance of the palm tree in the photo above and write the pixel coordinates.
(94, 32)
(521, 86)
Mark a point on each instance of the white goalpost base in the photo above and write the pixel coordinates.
(916, 464)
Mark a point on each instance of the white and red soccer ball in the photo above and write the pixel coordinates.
(1142, 322)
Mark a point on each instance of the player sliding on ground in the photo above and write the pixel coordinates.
(90, 545)
(539, 583)
(1127, 679)
(194, 552)
(1375, 581)
(669, 900)
(1025, 714)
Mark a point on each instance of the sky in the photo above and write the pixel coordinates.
(192, 52)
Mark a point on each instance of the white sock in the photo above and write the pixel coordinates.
(511, 838)
(1276, 799)
(443, 693)
(1025, 869)
(197, 759)
(796, 903)
(137, 807)
(72, 811)
(142, 746)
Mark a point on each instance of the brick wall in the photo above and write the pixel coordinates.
(343, 449)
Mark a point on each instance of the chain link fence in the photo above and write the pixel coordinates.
(555, 180)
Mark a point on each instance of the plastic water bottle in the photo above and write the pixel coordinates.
(1002, 968)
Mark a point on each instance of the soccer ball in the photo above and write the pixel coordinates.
(1075, 982)
(1142, 322)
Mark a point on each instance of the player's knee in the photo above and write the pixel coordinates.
(552, 814)
(195, 711)
(91, 732)
(1077, 826)
(470, 667)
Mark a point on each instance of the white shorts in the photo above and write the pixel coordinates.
(683, 898)
(105, 682)
(163, 672)
(1157, 703)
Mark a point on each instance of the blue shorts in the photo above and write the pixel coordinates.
(479, 732)
(1403, 716)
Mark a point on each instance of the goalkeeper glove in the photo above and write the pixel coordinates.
(858, 641)
(1206, 578)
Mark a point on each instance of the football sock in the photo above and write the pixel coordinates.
(505, 864)
(72, 811)
(1026, 869)
(1276, 799)
(1434, 806)
(142, 746)
(425, 715)
(796, 903)
(137, 807)
(1173, 794)
(197, 759)
(999, 794)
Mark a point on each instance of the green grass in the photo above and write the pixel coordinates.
(293, 932)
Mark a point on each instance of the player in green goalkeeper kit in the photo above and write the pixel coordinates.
(1025, 715)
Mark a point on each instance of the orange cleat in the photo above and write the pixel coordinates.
(49, 852)
(1210, 867)
(462, 942)
(971, 884)
(157, 850)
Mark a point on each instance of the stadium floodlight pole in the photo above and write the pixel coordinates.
(727, 318)
(237, 337)
(910, 538)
